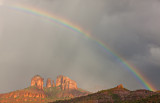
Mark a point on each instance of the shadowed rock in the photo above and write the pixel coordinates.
(53, 84)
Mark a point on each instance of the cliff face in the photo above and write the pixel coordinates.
(48, 84)
(66, 83)
(37, 81)
(53, 85)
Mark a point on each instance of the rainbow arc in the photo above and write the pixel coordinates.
(61, 21)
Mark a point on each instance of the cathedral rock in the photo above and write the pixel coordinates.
(62, 82)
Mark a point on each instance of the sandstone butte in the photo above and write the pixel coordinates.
(63, 82)
(120, 86)
(37, 81)
(66, 83)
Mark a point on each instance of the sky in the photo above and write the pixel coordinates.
(31, 45)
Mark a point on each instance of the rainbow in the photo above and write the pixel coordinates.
(61, 21)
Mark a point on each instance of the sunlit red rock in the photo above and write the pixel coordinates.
(48, 83)
(66, 83)
(37, 81)
(120, 86)
(15, 96)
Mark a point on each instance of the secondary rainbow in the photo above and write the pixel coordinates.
(38, 12)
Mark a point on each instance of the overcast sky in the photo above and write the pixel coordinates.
(31, 45)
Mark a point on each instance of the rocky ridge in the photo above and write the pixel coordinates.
(118, 94)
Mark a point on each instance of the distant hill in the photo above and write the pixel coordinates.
(118, 94)
(65, 88)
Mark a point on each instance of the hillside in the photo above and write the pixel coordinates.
(116, 95)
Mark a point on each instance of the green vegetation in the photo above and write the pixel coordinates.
(116, 97)
(52, 92)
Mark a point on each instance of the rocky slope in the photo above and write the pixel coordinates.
(116, 95)
(65, 88)
(26, 95)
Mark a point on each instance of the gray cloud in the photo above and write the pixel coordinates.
(31, 45)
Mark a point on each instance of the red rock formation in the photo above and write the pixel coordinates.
(120, 86)
(53, 85)
(48, 84)
(67, 89)
(66, 83)
(37, 81)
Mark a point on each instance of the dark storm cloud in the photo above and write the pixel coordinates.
(132, 27)
(31, 45)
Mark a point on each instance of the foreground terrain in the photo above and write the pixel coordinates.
(117, 95)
